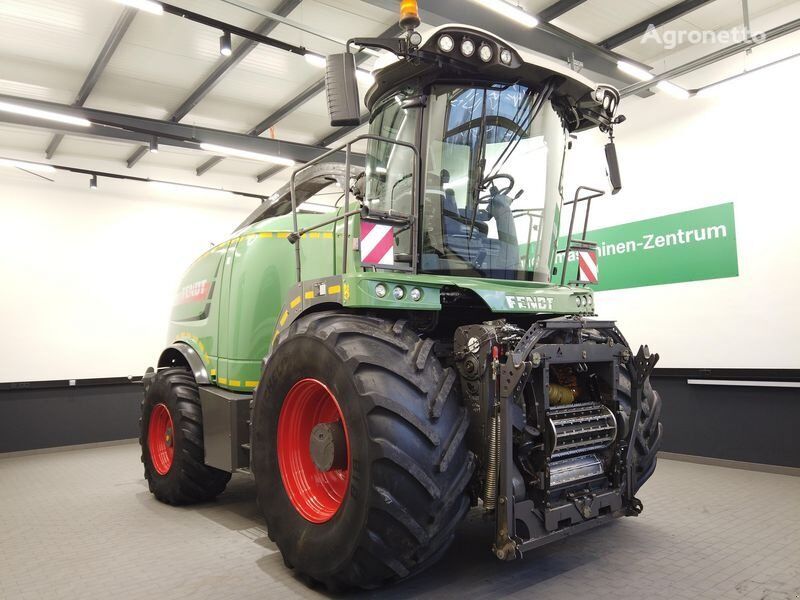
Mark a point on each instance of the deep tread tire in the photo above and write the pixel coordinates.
(189, 480)
(409, 465)
(647, 439)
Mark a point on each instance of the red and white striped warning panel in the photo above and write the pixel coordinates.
(376, 243)
(587, 266)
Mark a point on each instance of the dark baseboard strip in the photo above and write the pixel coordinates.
(69, 383)
(779, 375)
(731, 464)
(731, 374)
(68, 448)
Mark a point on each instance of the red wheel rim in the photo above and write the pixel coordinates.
(160, 439)
(316, 495)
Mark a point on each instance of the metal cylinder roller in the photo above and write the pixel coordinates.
(580, 428)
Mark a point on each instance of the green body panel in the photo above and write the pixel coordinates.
(236, 297)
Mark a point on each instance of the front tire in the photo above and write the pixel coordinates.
(406, 464)
(171, 438)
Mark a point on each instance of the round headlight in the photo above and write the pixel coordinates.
(485, 53)
(591, 300)
(505, 56)
(578, 300)
(415, 294)
(606, 102)
(467, 47)
(398, 293)
(446, 43)
(612, 106)
(415, 38)
(380, 290)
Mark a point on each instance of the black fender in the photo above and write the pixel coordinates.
(183, 353)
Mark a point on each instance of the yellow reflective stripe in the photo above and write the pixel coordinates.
(309, 295)
(275, 337)
(265, 234)
(284, 316)
(235, 383)
(283, 234)
(327, 235)
(250, 384)
(213, 372)
(223, 380)
(334, 289)
(294, 303)
(313, 234)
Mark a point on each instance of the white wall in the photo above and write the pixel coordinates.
(87, 277)
(740, 147)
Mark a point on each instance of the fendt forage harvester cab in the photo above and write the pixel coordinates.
(416, 350)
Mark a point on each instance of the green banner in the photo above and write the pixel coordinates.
(687, 246)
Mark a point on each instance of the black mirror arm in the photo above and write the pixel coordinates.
(398, 46)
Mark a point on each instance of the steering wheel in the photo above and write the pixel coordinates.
(505, 190)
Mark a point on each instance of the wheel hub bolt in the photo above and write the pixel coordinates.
(168, 436)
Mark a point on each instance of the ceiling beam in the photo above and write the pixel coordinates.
(293, 104)
(657, 20)
(222, 69)
(545, 38)
(118, 126)
(106, 52)
(557, 9)
(709, 59)
(326, 141)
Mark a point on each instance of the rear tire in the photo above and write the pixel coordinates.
(648, 436)
(171, 438)
(408, 465)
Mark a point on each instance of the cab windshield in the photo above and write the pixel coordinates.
(494, 167)
(495, 164)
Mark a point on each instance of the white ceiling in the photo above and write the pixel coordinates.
(47, 47)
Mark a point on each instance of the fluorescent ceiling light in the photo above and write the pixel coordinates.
(750, 79)
(456, 183)
(515, 13)
(278, 160)
(317, 208)
(315, 59)
(673, 90)
(153, 8)
(43, 114)
(634, 71)
(365, 76)
(28, 166)
(188, 190)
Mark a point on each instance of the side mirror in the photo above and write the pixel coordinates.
(341, 86)
(613, 168)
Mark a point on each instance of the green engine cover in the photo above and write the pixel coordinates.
(236, 297)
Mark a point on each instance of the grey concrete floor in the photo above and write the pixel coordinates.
(81, 524)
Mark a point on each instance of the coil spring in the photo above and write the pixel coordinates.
(490, 488)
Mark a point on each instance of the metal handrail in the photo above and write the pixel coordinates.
(595, 193)
(296, 234)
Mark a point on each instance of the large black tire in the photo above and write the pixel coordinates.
(410, 467)
(188, 479)
(647, 438)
